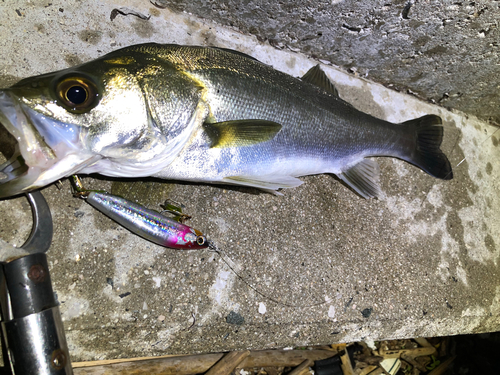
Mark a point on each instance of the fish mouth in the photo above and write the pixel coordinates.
(39, 149)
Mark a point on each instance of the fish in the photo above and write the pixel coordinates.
(146, 223)
(203, 115)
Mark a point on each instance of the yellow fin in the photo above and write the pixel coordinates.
(241, 133)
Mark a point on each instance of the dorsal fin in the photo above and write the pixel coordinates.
(317, 77)
(236, 52)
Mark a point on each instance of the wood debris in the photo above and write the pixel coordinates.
(398, 357)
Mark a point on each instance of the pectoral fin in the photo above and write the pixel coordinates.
(318, 78)
(240, 133)
(363, 178)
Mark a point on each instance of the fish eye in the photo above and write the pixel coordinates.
(77, 94)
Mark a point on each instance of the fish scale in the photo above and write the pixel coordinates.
(206, 115)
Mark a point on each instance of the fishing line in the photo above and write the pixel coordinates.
(214, 248)
(234, 268)
(125, 218)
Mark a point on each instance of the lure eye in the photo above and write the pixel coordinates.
(77, 94)
(201, 240)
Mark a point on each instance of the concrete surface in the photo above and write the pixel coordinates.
(444, 51)
(317, 265)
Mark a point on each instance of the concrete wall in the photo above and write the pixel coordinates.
(444, 51)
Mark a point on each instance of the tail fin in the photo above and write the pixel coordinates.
(427, 154)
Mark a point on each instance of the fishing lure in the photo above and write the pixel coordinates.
(146, 223)
(163, 231)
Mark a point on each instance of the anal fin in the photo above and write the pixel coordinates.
(265, 182)
(363, 177)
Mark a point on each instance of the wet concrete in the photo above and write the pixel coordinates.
(317, 265)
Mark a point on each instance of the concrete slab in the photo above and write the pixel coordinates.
(315, 266)
(445, 51)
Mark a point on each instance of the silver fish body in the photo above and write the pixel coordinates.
(201, 114)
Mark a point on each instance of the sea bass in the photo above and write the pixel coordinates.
(200, 114)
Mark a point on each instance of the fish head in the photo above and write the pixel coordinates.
(93, 118)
